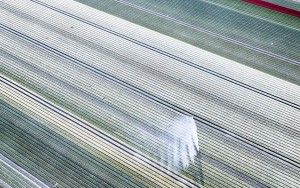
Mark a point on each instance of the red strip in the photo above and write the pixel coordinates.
(275, 7)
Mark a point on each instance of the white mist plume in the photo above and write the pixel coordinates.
(174, 143)
(180, 143)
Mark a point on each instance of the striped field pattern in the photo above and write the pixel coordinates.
(89, 99)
